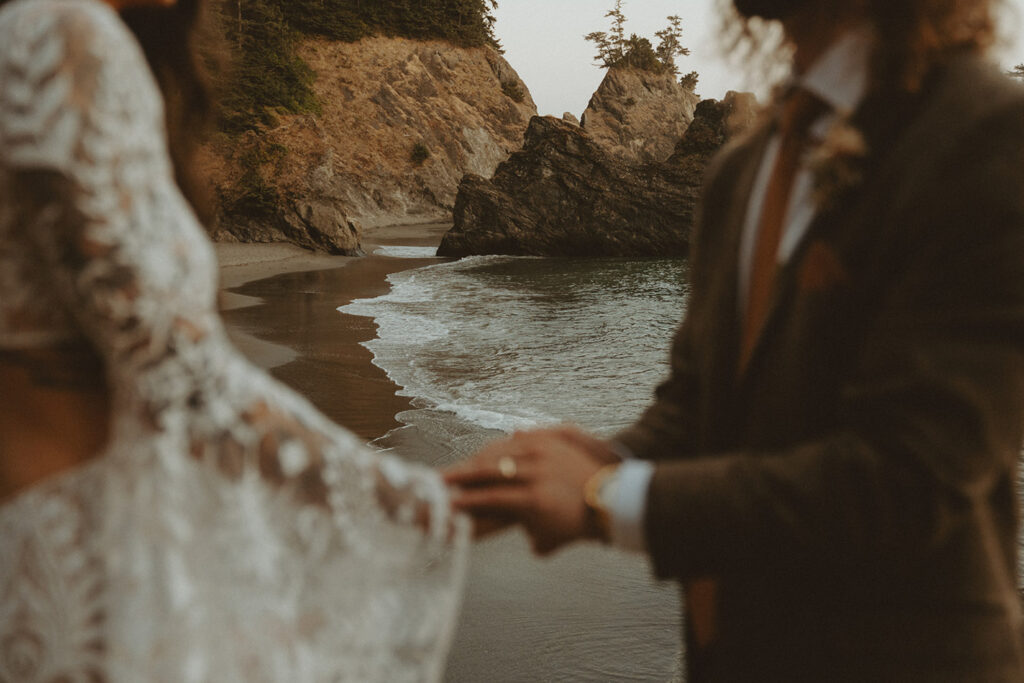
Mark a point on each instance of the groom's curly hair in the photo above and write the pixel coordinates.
(914, 36)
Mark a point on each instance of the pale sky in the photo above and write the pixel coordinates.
(543, 40)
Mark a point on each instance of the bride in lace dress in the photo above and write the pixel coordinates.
(221, 529)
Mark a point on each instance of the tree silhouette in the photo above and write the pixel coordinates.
(689, 81)
(670, 46)
(618, 32)
(615, 50)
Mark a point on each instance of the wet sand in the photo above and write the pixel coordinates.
(280, 305)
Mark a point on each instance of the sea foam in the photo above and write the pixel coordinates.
(514, 343)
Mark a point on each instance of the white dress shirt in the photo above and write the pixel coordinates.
(839, 77)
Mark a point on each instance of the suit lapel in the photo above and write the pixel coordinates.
(724, 287)
(782, 289)
(878, 118)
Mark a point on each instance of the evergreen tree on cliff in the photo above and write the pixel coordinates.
(615, 50)
(462, 22)
(670, 46)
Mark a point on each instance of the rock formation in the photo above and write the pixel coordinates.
(564, 194)
(401, 122)
(639, 115)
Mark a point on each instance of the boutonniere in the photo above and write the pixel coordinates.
(837, 164)
(821, 269)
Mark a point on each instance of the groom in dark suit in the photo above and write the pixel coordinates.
(830, 469)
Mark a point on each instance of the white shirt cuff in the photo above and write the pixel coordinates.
(627, 502)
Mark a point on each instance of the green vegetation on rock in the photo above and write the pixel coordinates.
(468, 23)
(253, 194)
(269, 77)
(615, 50)
(513, 90)
(419, 153)
(689, 81)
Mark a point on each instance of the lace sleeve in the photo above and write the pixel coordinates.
(232, 506)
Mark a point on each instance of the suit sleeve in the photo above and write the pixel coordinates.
(931, 424)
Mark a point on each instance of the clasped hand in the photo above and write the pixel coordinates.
(535, 479)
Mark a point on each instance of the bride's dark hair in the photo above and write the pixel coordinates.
(179, 44)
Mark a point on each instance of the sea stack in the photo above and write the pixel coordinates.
(639, 115)
(565, 194)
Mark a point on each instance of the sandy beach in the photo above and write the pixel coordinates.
(588, 614)
(280, 304)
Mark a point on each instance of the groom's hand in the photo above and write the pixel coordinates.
(536, 479)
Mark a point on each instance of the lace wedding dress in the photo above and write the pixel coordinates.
(228, 532)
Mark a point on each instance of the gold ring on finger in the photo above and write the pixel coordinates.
(507, 467)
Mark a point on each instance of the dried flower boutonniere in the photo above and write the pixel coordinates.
(837, 164)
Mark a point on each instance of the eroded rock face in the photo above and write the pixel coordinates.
(638, 115)
(402, 121)
(564, 194)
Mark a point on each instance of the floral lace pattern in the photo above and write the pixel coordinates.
(229, 532)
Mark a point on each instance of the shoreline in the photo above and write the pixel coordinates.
(279, 303)
(244, 262)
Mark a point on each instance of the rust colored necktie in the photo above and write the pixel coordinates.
(799, 110)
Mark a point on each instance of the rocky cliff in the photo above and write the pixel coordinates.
(565, 194)
(401, 122)
(639, 115)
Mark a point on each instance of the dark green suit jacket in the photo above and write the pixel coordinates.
(854, 490)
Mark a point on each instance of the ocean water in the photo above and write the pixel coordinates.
(487, 345)
(509, 343)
